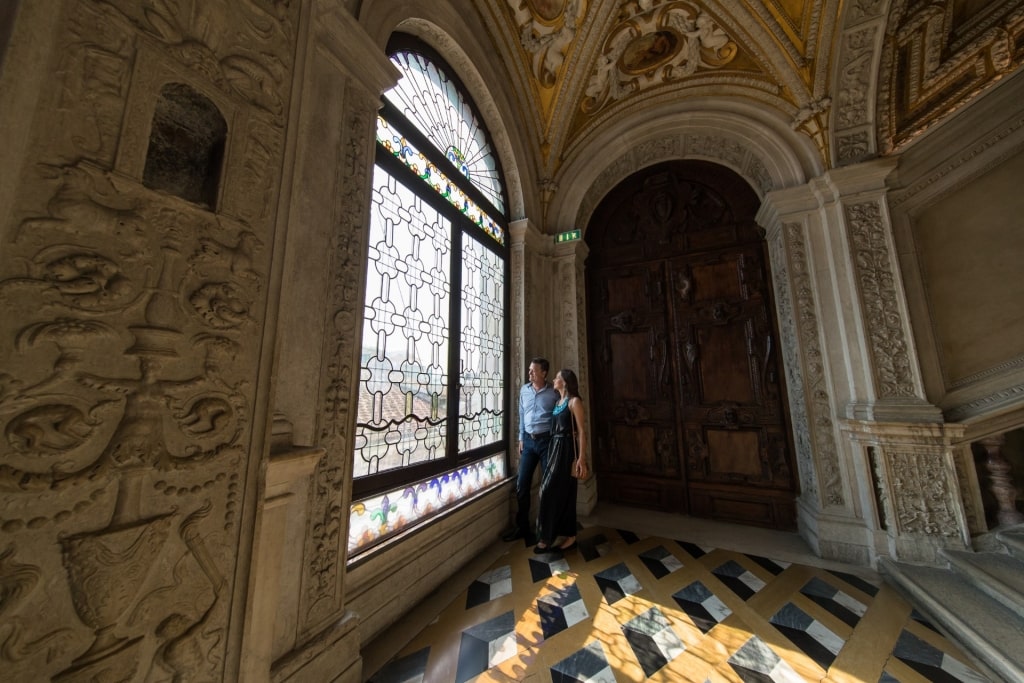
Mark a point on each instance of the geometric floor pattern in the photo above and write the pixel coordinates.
(626, 607)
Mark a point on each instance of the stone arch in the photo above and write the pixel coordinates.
(765, 151)
(861, 34)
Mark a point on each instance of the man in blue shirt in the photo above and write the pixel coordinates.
(537, 398)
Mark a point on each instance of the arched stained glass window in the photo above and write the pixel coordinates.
(431, 417)
(433, 101)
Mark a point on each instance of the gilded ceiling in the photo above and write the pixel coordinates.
(583, 63)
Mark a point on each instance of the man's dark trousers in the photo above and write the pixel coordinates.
(535, 452)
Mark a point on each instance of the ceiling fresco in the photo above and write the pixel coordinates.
(591, 60)
(587, 63)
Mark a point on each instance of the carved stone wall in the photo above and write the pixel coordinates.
(885, 325)
(133, 331)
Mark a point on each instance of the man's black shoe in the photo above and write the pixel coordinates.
(513, 534)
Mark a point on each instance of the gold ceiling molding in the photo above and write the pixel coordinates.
(654, 45)
(547, 28)
(938, 56)
(586, 63)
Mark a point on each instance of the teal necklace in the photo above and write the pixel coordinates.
(560, 406)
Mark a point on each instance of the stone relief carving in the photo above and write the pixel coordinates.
(819, 404)
(962, 459)
(723, 149)
(855, 77)
(985, 405)
(241, 47)
(876, 282)
(794, 375)
(132, 322)
(920, 497)
(568, 330)
(328, 518)
(654, 43)
(546, 31)
(853, 147)
(113, 267)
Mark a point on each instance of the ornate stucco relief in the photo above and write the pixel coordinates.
(546, 32)
(133, 324)
(876, 283)
(654, 44)
(936, 59)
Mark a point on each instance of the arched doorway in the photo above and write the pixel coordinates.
(688, 398)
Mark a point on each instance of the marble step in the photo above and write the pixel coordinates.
(998, 575)
(1013, 540)
(989, 631)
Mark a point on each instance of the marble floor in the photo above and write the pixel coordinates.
(658, 597)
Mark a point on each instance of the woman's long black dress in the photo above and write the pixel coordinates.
(556, 515)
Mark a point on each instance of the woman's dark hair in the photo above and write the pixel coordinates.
(572, 385)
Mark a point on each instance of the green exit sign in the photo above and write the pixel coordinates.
(568, 236)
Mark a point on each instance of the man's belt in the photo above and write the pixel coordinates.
(537, 435)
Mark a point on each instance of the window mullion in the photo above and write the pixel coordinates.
(455, 342)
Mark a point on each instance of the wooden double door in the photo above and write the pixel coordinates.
(686, 390)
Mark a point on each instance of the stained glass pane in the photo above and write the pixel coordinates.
(403, 394)
(405, 152)
(430, 99)
(482, 352)
(374, 518)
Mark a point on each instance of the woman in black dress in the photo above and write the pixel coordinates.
(567, 462)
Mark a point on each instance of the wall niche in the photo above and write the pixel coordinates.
(186, 146)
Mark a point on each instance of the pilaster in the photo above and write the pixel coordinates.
(517, 232)
(332, 146)
(571, 335)
(857, 400)
(827, 509)
(871, 312)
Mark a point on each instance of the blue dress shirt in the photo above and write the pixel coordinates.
(535, 409)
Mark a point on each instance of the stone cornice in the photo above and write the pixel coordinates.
(346, 43)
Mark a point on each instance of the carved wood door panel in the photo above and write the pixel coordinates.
(688, 400)
(637, 446)
(737, 455)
